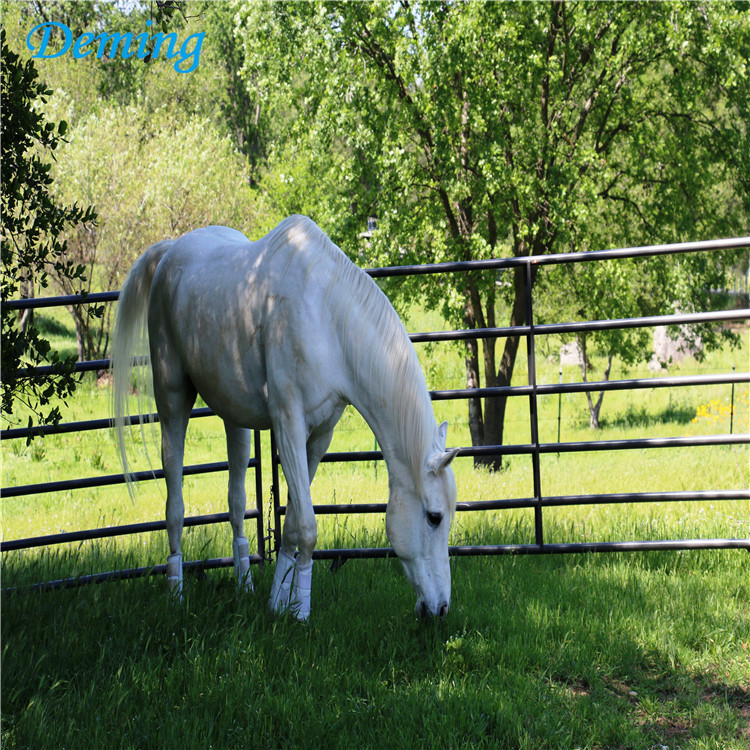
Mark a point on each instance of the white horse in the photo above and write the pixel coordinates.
(283, 333)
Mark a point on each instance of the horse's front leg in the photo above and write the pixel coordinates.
(286, 564)
(239, 441)
(292, 583)
(292, 586)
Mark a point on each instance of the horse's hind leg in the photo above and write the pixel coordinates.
(239, 441)
(174, 404)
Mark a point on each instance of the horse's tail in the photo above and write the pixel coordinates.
(129, 347)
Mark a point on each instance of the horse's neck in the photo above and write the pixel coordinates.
(397, 407)
(387, 384)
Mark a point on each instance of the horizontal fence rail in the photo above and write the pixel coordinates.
(256, 513)
(535, 448)
(121, 530)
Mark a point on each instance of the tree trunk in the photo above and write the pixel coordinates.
(80, 333)
(594, 406)
(495, 407)
(26, 317)
(594, 409)
(476, 419)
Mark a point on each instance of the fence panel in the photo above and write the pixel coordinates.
(532, 390)
(535, 448)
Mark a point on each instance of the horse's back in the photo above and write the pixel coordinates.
(288, 261)
(222, 307)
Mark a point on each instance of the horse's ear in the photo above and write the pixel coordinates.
(441, 457)
(442, 436)
(440, 461)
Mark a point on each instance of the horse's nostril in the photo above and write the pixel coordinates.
(423, 611)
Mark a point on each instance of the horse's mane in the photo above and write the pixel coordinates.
(375, 341)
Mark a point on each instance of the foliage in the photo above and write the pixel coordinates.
(239, 105)
(479, 129)
(213, 90)
(661, 285)
(90, 81)
(152, 175)
(154, 149)
(467, 129)
(32, 238)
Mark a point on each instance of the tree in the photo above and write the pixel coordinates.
(91, 80)
(153, 175)
(150, 146)
(629, 289)
(483, 129)
(33, 224)
(238, 103)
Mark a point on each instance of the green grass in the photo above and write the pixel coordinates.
(556, 652)
(592, 651)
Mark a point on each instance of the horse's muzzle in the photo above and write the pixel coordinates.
(424, 611)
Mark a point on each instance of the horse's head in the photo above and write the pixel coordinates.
(418, 523)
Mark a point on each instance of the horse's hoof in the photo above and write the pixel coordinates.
(241, 552)
(174, 576)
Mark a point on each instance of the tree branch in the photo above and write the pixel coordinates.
(371, 47)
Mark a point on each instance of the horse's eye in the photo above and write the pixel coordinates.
(434, 519)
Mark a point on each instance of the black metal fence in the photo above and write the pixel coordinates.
(534, 448)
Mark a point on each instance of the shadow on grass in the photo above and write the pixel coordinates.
(48, 326)
(596, 651)
(641, 417)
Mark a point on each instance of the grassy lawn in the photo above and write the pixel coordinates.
(607, 651)
(639, 650)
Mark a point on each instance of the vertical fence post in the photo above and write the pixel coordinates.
(533, 410)
(559, 405)
(731, 412)
(259, 495)
(275, 495)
